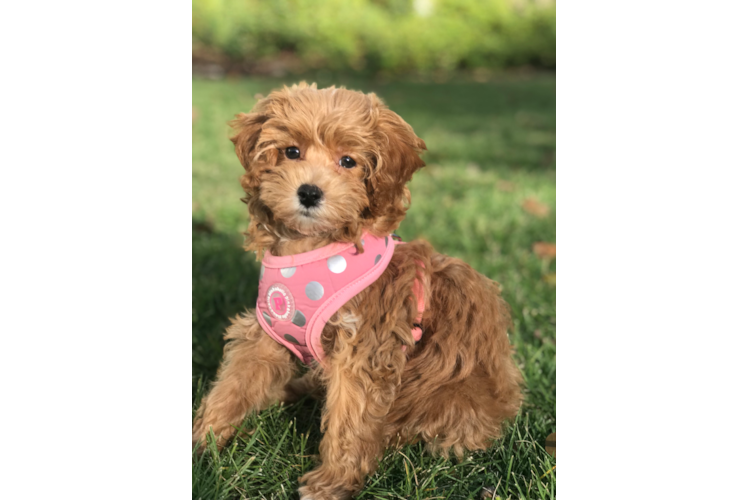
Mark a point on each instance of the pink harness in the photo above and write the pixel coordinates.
(299, 293)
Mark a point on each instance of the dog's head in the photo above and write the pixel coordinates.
(324, 163)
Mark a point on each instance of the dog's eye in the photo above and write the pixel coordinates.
(293, 153)
(347, 162)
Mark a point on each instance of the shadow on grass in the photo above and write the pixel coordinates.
(224, 283)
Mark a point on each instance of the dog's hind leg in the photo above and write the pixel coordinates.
(463, 415)
(462, 385)
(252, 376)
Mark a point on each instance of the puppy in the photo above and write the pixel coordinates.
(326, 173)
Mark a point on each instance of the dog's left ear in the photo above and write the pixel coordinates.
(398, 158)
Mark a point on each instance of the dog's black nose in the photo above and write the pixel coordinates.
(309, 195)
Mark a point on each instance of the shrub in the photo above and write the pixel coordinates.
(377, 35)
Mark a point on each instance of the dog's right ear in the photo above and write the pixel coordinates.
(248, 127)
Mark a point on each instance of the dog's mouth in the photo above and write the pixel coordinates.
(308, 220)
(309, 213)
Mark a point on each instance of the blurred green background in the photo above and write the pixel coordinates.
(389, 37)
(474, 80)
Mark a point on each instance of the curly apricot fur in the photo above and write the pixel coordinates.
(455, 389)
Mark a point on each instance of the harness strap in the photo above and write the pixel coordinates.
(417, 330)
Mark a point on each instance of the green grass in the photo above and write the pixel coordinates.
(491, 146)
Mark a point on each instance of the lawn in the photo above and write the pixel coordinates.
(486, 195)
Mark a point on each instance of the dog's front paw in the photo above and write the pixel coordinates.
(323, 484)
(198, 436)
(307, 493)
(201, 429)
(315, 493)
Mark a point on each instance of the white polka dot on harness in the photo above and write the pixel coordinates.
(336, 264)
(299, 319)
(292, 339)
(314, 290)
(287, 272)
(267, 318)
